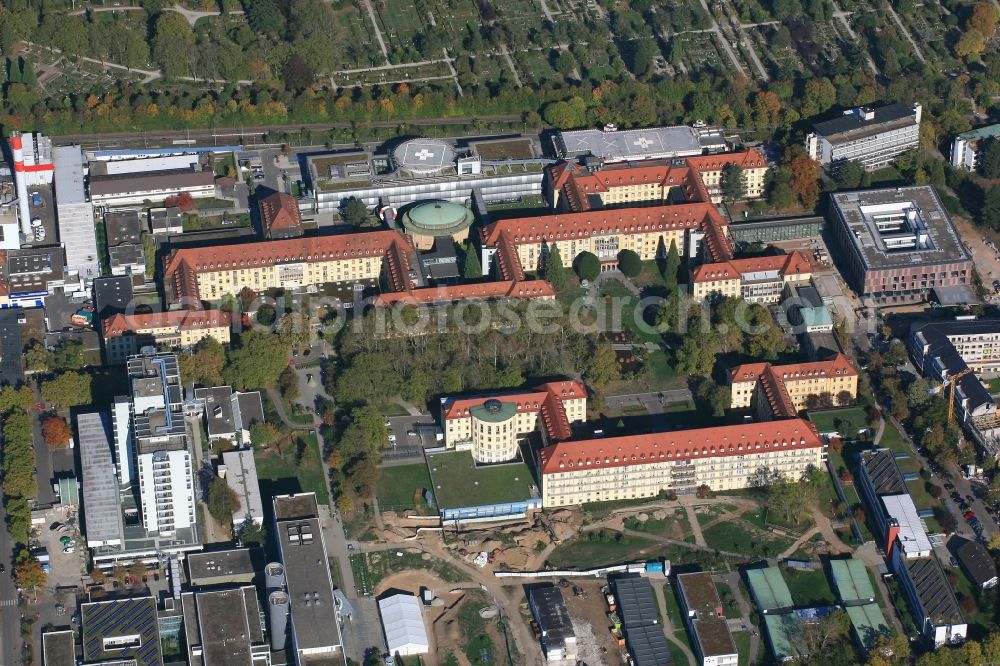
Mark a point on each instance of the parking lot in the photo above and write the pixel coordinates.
(61, 530)
(408, 442)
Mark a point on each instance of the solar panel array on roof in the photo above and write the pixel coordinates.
(934, 591)
(883, 472)
(110, 628)
(639, 613)
(636, 603)
(648, 646)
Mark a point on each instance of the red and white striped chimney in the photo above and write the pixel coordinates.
(21, 182)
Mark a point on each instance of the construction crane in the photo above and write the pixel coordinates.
(952, 382)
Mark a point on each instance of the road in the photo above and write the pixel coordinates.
(10, 614)
(254, 133)
(962, 486)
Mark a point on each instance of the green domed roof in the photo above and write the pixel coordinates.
(437, 218)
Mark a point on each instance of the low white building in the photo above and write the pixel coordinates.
(403, 622)
(240, 472)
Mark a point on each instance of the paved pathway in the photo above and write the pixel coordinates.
(822, 527)
(454, 74)
(699, 538)
(378, 33)
(669, 628)
(510, 63)
(906, 33)
(732, 579)
(842, 16)
(722, 39)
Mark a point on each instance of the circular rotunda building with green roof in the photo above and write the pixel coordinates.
(430, 219)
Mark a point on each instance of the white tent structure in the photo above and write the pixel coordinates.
(405, 633)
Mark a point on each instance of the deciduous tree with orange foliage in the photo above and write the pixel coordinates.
(56, 431)
(29, 573)
(805, 179)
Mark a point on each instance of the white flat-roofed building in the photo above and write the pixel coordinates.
(241, 476)
(131, 189)
(906, 530)
(967, 147)
(143, 165)
(75, 214)
(648, 143)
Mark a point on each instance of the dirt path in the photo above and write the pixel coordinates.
(507, 600)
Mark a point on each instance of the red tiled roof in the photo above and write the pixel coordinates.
(279, 211)
(747, 159)
(838, 365)
(787, 264)
(508, 262)
(595, 222)
(460, 292)
(732, 440)
(183, 320)
(548, 400)
(526, 401)
(268, 253)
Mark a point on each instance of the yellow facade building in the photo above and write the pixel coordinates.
(125, 335)
(633, 467)
(647, 231)
(492, 426)
(212, 273)
(785, 390)
(755, 280)
(575, 188)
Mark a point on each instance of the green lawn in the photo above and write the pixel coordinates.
(846, 421)
(733, 537)
(808, 588)
(370, 568)
(762, 519)
(401, 488)
(742, 640)
(729, 605)
(479, 649)
(458, 481)
(584, 553)
(392, 409)
(892, 439)
(298, 468)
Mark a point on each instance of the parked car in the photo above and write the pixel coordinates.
(65, 540)
(36, 199)
(969, 515)
(69, 549)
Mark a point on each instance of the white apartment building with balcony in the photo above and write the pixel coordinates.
(873, 137)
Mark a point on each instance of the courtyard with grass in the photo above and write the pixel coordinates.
(293, 465)
(403, 488)
(458, 481)
(808, 588)
(847, 421)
